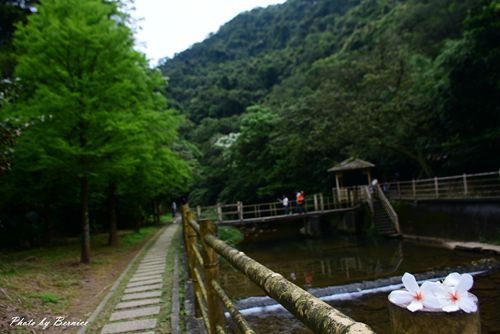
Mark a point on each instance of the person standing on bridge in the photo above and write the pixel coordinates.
(300, 202)
(285, 203)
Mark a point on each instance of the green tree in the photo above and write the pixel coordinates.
(84, 93)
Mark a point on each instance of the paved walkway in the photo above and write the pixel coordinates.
(139, 306)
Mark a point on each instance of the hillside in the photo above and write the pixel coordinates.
(409, 85)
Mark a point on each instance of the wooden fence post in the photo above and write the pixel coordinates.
(198, 212)
(334, 198)
(321, 202)
(315, 199)
(436, 187)
(404, 321)
(414, 189)
(240, 211)
(466, 190)
(211, 273)
(219, 212)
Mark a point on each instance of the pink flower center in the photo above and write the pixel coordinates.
(453, 297)
(418, 296)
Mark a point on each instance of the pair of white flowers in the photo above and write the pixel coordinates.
(450, 295)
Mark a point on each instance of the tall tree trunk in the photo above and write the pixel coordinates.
(85, 255)
(113, 232)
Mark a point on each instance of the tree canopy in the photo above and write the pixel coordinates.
(409, 85)
(90, 113)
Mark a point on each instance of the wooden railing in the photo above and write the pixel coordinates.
(202, 247)
(342, 198)
(391, 213)
(482, 185)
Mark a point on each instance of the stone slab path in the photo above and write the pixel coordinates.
(139, 305)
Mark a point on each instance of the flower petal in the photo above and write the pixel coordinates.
(433, 288)
(410, 283)
(451, 308)
(415, 306)
(452, 279)
(467, 305)
(465, 283)
(400, 297)
(434, 295)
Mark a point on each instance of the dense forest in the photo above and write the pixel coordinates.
(280, 94)
(87, 140)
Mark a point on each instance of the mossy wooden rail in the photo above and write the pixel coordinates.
(210, 297)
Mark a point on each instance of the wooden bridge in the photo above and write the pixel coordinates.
(341, 200)
(481, 186)
(317, 204)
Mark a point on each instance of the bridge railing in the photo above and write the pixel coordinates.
(481, 185)
(203, 249)
(344, 198)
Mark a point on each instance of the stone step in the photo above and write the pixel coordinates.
(129, 326)
(152, 263)
(144, 277)
(145, 269)
(135, 313)
(149, 272)
(141, 295)
(136, 303)
(144, 282)
(144, 288)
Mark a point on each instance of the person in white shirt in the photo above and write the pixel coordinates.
(285, 204)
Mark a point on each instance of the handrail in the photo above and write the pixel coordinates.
(312, 203)
(393, 216)
(314, 313)
(369, 198)
(478, 186)
(448, 177)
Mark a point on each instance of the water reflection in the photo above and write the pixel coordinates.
(339, 260)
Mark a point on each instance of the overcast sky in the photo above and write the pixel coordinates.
(171, 26)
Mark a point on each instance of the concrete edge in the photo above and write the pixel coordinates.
(115, 285)
(454, 245)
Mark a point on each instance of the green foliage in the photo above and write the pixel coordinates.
(409, 85)
(89, 117)
(231, 235)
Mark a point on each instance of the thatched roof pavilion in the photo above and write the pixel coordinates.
(352, 164)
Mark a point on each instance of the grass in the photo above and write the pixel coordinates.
(166, 218)
(47, 297)
(48, 281)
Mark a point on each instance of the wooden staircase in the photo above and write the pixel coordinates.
(382, 222)
(384, 217)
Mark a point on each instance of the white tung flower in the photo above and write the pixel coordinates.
(415, 298)
(456, 296)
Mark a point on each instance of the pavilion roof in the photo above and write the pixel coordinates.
(351, 164)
